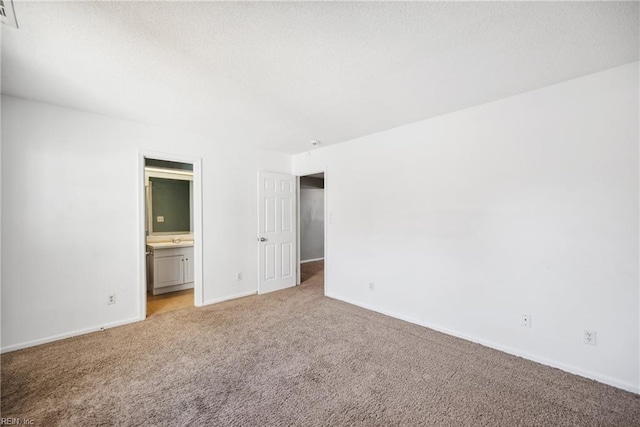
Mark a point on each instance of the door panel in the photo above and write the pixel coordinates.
(286, 260)
(188, 265)
(270, 262)
(287, 215)
(270, 215)
(168, 270)
(277, 225)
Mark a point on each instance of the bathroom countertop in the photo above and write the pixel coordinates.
(165, 245)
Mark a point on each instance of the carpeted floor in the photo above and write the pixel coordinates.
(294, 357)
(312, 273)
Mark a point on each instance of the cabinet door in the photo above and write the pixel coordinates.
(168, 271)
(188, 265)
(149, 270)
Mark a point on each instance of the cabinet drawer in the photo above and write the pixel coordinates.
(164, 252)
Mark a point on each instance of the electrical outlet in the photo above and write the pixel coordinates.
(526, 320)
(111, 299)
(371, 286)
(238, 277)
(589, 337)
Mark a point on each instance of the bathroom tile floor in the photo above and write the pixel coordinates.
(169, 301)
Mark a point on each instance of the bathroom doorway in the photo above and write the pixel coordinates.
(171, 273)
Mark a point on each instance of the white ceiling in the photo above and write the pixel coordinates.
(277, 75)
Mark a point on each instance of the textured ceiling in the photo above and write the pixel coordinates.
(277, 75)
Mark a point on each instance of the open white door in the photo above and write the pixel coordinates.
(277, 231)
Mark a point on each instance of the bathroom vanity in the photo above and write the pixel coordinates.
(169, 266)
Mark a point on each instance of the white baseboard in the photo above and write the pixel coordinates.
(71, 334)
(58, 337)
(230, 297)
(506, 349)
(311, 260)
(539, 359)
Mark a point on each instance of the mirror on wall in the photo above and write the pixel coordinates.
(169, 198)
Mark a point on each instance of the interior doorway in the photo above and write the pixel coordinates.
(171, 238)
(312, 229)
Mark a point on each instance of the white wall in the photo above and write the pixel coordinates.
(70, 228)
(527, 205)
(311, 223)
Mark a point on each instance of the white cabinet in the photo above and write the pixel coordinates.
(169, 269)
(188, 268)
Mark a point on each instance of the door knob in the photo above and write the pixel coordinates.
(262, 239)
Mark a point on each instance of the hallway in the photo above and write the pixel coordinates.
(312, 273)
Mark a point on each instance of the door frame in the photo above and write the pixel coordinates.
(198, 286)
(326, 224)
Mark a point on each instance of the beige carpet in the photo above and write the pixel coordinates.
(298, 358)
